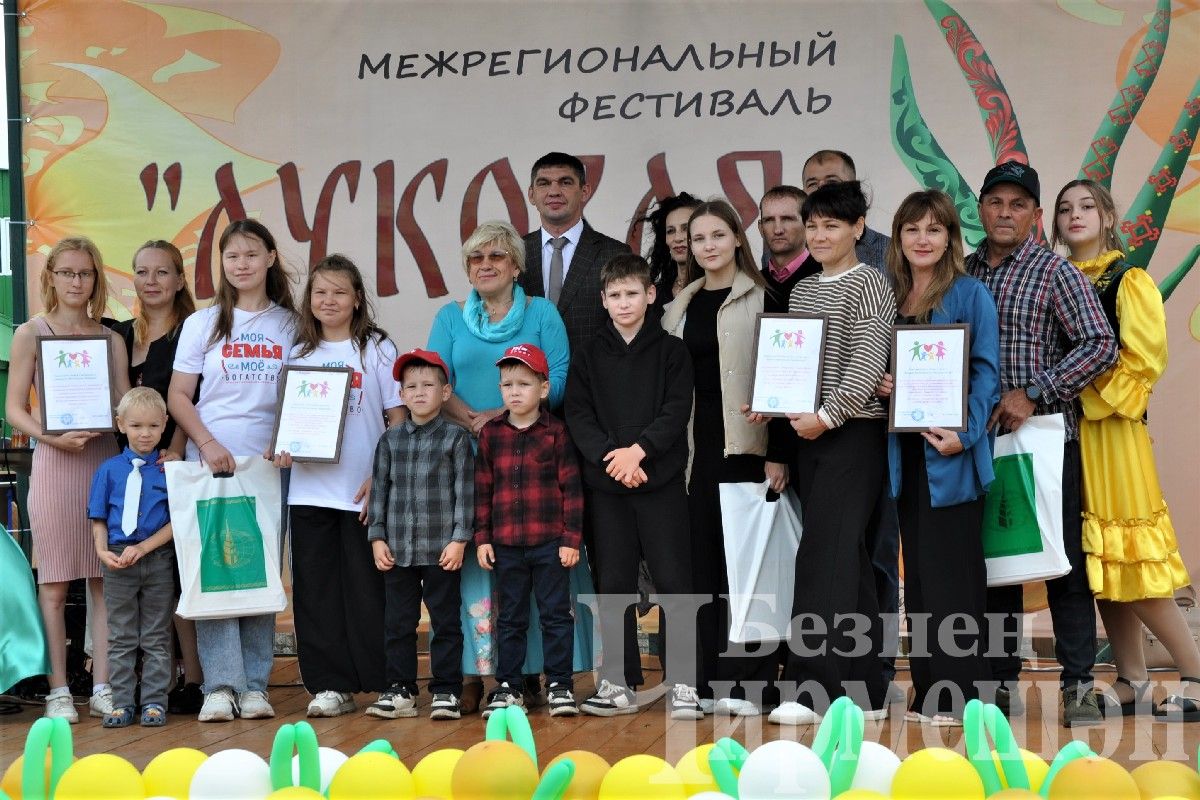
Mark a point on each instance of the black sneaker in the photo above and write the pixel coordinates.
(562, 702)
(610, 700)
(394, 703)
(185, 698)
(444, 706)
(503, 696)
(1080, 707)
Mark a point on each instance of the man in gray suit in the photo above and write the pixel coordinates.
(564, 256)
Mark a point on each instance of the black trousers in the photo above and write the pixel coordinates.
(337, 597)
(631, 527)
(406, 587)
(520, 570)
(839, 475)
(944, 576)
(1072, 608)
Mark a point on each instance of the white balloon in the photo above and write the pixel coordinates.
(329, 759)
(783, 770)
(877, 766)
(231, 775)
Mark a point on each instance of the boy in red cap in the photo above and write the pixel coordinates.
(422, 500)
(528, 526)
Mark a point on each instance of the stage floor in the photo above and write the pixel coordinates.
(1130, 741)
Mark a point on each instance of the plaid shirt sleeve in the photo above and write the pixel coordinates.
(484, 482)
(569, 486)
(1081, 317)
(381, 481)
(464, 488)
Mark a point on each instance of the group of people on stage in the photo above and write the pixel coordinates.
(569, 424)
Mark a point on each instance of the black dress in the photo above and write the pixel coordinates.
(155, 371)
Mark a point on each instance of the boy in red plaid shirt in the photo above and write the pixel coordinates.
(528, 526)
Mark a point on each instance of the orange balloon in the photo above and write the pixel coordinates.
(589, 772)
(1015, 794)
(495, 769)
(1161, 778)
(1096, 779)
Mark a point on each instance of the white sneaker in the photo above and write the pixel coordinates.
(394, 703)
(62, 706)
(793, 714)
(875, 714)
(101, 703)
(731, 707)
(331, 704)
(707, 705)
(219, 706)
(254, 705)
(685, 703)
(609, 701)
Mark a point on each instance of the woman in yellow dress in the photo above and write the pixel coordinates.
(1133, 564)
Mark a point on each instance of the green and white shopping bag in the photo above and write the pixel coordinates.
(226, 539)
(1022, 517)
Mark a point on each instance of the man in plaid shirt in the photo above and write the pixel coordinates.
(528, 526)
(1054, 340)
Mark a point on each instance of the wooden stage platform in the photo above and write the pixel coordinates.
(1131, 741)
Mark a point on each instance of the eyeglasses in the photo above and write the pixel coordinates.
(495, 257)
(68, 275)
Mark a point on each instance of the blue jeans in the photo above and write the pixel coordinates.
(518, 571)
(236, 652)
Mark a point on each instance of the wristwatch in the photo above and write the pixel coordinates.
(1034, 393)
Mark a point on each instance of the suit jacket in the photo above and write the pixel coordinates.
(579, 302)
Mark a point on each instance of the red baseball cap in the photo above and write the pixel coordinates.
(421, 357)
(529, 355)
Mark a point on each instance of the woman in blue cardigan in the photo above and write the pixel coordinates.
(939, 477)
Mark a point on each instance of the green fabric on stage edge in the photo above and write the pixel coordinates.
(22, 638)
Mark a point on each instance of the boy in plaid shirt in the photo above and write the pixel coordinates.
(528, 526)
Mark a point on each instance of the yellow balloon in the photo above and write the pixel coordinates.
(431, 775)
(370, 775)
(642, 776)
(590, 770)
(496, 770)
(1158, 778)
(1094, 778)
(101, 776)
(693, 768)
(11, 782)
(169, 774)
(296, 793)
(1015, 794)
(934, 773)
(861, 794)
(1035, 767)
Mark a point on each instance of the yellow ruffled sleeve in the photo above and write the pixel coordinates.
(1125, 387)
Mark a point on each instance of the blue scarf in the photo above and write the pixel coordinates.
(475, 317)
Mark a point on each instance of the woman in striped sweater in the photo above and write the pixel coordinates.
(840, 464)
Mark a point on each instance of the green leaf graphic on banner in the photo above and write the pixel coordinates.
(1010, 526)
(231, 545)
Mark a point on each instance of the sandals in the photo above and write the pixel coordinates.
(153, 715)
(1142, 702)
(1186, 708)
(121, 717)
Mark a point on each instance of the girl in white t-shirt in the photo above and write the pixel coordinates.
(336, 590)
(234, 350)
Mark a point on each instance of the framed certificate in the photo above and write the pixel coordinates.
(789, 353)
(76, 380)
(929, 364)
(311, 416)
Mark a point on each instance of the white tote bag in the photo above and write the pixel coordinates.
(226, 539)
(1022, 517)
(761, 539)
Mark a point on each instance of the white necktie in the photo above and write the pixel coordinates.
(133, 498)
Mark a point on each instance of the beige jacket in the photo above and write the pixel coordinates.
(735, 326)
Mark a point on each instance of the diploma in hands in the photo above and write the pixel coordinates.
(311, 416)
(929, 366)
(789, 352)
(75, 383)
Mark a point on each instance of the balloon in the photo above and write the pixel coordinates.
(431, 775)
(169, 774)
(100, 776)
(1015, 794)
(936, 772)
(330, 760)
(877, 766)
(642, 776)
(861, 794)
(590, 770)
(783, 769)
(369, 775)
(496, 769)
(1035, 768)
(1158, 778)
(231, 775)
(10, 784)
(1095, 778)
(693, 768)
(295, 793)
(710, 796)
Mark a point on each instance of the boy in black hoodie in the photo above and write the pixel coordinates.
(628, 403)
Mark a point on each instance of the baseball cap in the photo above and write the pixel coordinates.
(421, 357)
(1023, 175)
(529, 355)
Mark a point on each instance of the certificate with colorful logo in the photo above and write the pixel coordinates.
(311, 416)
(75, 383)
(929, 366)
(789, 352)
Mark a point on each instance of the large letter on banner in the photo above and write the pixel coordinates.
(1022, 517)
(226, 539)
